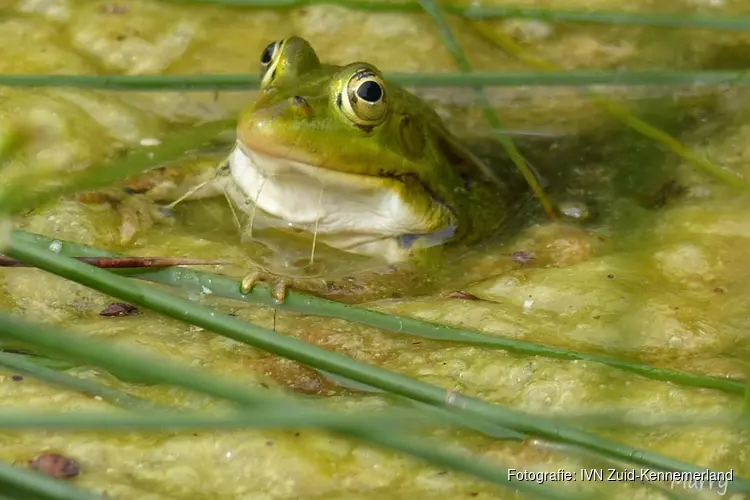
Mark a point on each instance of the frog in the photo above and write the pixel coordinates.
(361, 165)
(355, 161)
(364, 165)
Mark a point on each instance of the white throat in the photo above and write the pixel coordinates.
(352, 212)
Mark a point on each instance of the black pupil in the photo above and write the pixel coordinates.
(267, 54)
(370, 91)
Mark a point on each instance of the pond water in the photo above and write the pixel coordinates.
(658, 274)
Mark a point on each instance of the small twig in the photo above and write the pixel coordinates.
(125, 262)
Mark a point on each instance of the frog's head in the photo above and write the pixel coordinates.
(342, 148)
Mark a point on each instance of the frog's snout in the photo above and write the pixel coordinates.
(263, 124)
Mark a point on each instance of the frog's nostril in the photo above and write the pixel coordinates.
(301, 106)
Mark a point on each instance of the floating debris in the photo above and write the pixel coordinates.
(460, 294)
(523, 257)
(113, 9)
(126, 262)
(117, 309)
(55, 465)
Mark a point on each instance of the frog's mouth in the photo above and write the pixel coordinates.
(350, 211)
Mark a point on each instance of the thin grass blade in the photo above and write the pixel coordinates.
(664, 20)
(222, 286)
(381, 432)
(127, 262)
(624, 115)
(22, 364)
(316, 357)
(535, 78)
(36, 189)
(504, 139)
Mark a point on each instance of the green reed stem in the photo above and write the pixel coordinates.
(431, 8)
(382, 432)
(21, 364)
(292, 348)
(667, 20)
(260, 418)
(37, 188)
(222, 286)
(624, 115)
(204, 83)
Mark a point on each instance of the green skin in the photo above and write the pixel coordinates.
(302, 116)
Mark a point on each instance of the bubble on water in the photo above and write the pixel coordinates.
(512, 282)
(55, 246)
(150, 141)
(574, 210)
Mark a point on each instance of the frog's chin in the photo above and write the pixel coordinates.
(356, 213)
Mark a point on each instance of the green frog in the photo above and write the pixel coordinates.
(362, 165)
(360, 162)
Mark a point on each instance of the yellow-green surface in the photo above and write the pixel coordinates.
(666, 286)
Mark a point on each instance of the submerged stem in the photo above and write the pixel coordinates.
(504, 139)
(622, 113)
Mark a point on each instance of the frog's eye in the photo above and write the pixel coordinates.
(364, 99)
(269, 59)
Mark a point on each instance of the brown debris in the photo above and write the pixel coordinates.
(55, 465)
(113, 9)
(523, 257)
(117, 309)
(126, 262)
(296, 377)
(460, 294)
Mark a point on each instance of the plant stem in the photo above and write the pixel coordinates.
(228, 326)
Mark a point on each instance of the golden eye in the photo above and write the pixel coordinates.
(268, 61)
(364, 100)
